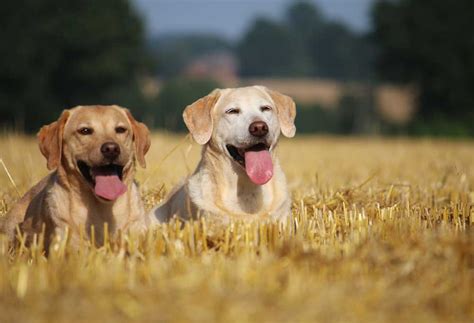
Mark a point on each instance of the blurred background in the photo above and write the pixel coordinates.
(394, 67)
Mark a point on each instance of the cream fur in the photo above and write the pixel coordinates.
(220, 188)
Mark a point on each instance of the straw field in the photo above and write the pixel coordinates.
(381, 231)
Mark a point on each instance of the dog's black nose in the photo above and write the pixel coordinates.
(258, 129)
(110, 150)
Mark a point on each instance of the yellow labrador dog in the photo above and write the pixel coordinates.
(239, 175)
(92, 150)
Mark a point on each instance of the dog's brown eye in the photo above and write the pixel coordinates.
(265, 108)
(233, 111)
(120, 130)
(85, 131)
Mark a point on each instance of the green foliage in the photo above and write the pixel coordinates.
(316, 119)
(429, 43)
(339, 54)
(269, 49)
(439, 126)
(57, 54)
(348, 113)
(131, 97)
(173, 53)
(175, 95)
(352, 115)
(305, 44)
(303, 18)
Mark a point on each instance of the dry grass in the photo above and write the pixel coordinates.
(382, 231)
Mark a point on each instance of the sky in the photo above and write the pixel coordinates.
(231, 18)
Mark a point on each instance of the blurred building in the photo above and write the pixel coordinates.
(220, 66)
(395, 104)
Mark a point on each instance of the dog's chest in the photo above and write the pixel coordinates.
(86, 212)
(236, 199)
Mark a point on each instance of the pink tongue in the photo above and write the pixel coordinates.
(109, 187)
(259, 166)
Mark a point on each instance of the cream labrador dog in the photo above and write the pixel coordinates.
(239, 176)
(93, 151)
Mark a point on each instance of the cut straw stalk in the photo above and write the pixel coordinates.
(10, 177)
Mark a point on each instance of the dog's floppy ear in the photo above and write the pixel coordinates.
(198, 118)
(51, 140)
(141, 136)
(286, 110)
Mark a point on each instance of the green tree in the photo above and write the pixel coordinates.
(174, 53)
(174, 96)
(304, 19)
(269, 49)
(429, 43)
(340, 54)
(305, 44)
(57, 54)
(305, 22)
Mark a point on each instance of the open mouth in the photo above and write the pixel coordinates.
(256, 160)
(106, 179)
(239, 153)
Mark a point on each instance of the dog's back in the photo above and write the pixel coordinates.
(17, 214)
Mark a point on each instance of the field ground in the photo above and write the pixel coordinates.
(383, 232)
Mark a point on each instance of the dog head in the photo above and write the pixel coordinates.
(244, 124)
(97, 144)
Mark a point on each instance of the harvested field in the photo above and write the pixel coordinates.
(381, 231)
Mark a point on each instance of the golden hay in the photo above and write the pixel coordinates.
(381, 232)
